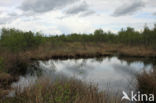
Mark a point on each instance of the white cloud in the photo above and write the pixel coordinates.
(75, 24)
(81, 16)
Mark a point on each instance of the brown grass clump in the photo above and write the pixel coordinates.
(147, 82)
(5, 81)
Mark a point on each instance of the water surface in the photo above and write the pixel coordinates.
(107, 73)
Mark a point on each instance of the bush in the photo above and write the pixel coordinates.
(16, 40)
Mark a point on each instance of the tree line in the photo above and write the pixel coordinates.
(17, 40)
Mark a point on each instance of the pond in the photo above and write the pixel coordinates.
(108, 73)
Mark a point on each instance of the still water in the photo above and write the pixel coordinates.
(107, 73)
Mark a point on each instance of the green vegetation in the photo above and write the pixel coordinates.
(16, 40)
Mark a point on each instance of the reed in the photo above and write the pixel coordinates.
(60, 91)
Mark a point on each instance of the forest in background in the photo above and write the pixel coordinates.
(17, 40)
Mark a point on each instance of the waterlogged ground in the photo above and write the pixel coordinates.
(107, 73)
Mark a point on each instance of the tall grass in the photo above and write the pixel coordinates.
(60, 91)
(147, 82)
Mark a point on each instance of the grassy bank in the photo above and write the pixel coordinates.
(80, 50)
(61, 91)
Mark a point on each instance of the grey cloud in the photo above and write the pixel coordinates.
(8, 18)
(129, 8)
(78, 8)
(89, 12)
(154, 13)
(5, 20)
(13, 14)
(81, 8)
(44, 5)
(2, 21)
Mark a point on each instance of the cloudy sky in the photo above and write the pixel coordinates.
(81, 16)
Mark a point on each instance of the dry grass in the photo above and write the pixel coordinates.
(85, 50)
(137, 51)
(147, 82)
(5, 82)
(61, 91)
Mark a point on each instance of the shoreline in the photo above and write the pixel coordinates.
(90, 50)
(81, 56)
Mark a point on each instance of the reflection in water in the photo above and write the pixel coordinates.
(25, 82)
(106, 72)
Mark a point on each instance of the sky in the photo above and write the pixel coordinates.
(76, 16)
